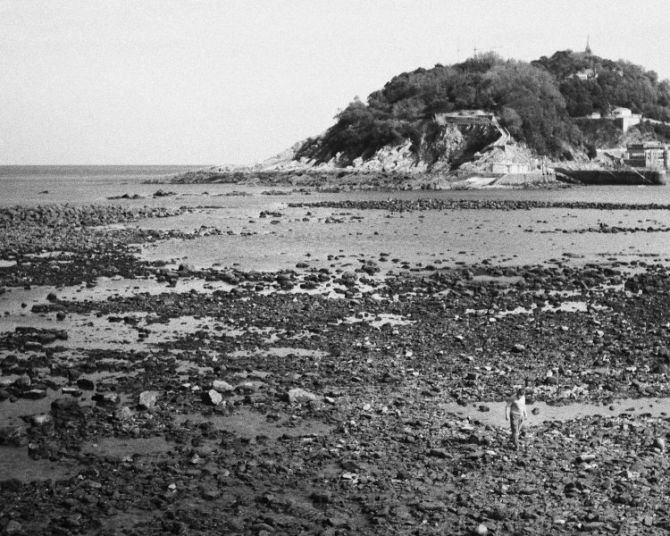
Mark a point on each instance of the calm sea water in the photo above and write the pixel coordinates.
(89, 173)
(461, 236)
(48, 184)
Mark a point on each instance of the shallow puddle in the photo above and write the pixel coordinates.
(326, 290)
(12, 412)
(495, 413)
(498, 279)
(565, 307)
(84, 331)
(17, 301)
(250, 424)
(119, 287)
(16, 464)
(127, 448)
(50, 254)
(93, 332)
(105, 287)
(186, 367)
(281, 351)
(379, 320)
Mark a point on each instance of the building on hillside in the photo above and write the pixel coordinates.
(470, 118)
(504, 168)
(625, 117)
(620, 112)
(622, 117)
(466, 117)
(650, 155)
(586, 74)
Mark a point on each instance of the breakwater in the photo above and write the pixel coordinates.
(618, 177)
(399, 205)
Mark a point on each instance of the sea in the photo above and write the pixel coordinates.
(84, 184)
(446, 237)
(58, 184)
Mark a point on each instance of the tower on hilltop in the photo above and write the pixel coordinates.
(587, 50)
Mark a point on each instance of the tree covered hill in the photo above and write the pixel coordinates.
(608, 83)
(537, 102)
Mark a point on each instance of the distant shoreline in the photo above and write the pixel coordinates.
(347, 179)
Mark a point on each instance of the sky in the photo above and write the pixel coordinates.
(213, 82)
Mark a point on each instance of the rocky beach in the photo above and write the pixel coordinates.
(253, 362)
(339, 269)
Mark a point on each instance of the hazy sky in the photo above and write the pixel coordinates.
(216, 81)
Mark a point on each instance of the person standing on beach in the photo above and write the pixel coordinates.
(515, 413)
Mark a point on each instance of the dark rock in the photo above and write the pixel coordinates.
(107, 399)
(13, 435)
(34, 394)
(66, 409)
(439, 453)
(86, 384)
(321, 497)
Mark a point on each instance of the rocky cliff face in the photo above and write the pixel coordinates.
(441, 148)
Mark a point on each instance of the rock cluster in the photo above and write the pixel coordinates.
(79, 215)
(402, 205)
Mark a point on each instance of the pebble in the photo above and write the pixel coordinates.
(41, 419)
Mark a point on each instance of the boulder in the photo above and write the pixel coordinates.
(213, 397)
(148, 399)
(301, 395)
(13, 527)
(124, 414)
(222, 386)
(66, 409)
(86, 384)
(659, 443)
